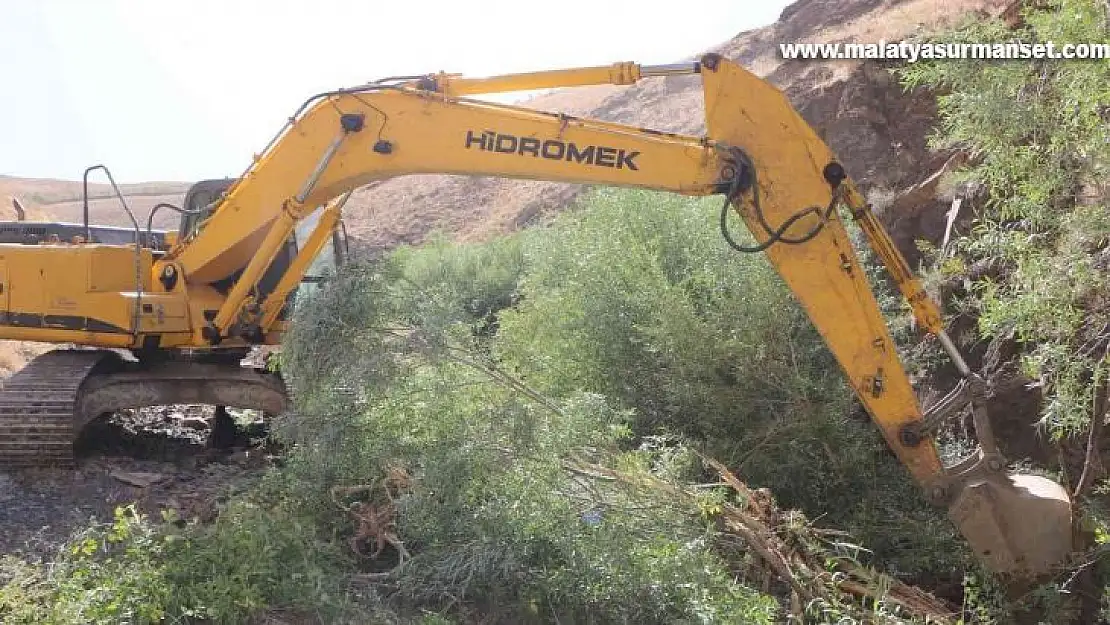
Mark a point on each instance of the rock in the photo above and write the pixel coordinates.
(188, 463)
(256, 430)
(9, 490)
(138, 479)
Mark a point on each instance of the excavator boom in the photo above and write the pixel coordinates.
(225, 282)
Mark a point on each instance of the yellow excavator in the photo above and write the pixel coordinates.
(159, 317)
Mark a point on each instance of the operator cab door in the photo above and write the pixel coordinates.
(327, 263)
(199, 202)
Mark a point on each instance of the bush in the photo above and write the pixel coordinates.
(107, 574)
(638, 298)
(1040, 143)
(490, 516)
(137, 571)
(478, 368)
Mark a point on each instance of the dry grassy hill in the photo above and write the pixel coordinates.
(62, 200)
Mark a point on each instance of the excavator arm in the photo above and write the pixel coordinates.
(758, 152)
(768, 164)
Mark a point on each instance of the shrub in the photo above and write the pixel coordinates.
(133, 570)
(490, 516)
(636, 297)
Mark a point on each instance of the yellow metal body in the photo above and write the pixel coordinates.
(204, 292)
(456, 85)
(321, 234)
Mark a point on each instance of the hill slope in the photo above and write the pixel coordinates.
(62, 200)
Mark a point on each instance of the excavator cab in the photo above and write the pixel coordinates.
(200, 201)
(203, 198)
(329, 260)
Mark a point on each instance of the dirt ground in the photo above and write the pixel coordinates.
(156, 458)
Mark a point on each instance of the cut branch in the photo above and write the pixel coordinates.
(800, 566)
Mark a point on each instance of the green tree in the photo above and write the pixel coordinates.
(396, 367)
(1038, 138)
(635, 296)
(1039, 143)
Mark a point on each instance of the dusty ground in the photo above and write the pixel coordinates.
(155, 457)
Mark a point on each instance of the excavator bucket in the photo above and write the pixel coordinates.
(1017, 524)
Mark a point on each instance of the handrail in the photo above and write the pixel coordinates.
(138, 237)
(154, 211)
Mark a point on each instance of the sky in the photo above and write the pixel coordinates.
(186, 90)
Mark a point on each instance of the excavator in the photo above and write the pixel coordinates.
(147, 317)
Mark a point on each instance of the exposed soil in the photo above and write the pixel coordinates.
(157, 458)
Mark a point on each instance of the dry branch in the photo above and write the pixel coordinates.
(375, 517)
(1092, 464)
(758, 523)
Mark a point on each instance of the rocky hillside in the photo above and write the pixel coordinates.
(877, 130)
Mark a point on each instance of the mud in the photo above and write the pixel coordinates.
(157, 458)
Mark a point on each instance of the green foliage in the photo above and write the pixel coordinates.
(492, 518)
(107, 574)
(637, 298)
(1040, 141)
(624, 332)
(136, 571)
(253, 558)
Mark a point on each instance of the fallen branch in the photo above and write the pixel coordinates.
(758, 524)
(376, 521)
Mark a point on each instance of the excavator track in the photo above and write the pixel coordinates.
(44, 406)
(37, 407)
